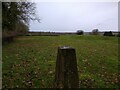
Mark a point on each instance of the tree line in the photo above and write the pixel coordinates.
(16, 17)
(97, 32)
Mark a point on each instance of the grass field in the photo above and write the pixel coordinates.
(29, 61)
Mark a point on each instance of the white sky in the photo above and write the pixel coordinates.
(73, 16)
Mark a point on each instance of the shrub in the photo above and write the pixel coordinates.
(80, 32)
(8, 36)
(95, 32)
(108, 33)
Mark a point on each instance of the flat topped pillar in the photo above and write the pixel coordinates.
(66, 74)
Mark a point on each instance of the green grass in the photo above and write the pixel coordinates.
(29, 61)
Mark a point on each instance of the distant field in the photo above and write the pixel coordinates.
(29, 61)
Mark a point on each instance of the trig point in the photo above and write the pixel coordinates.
(66, 75)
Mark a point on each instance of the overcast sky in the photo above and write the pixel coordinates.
(73, 16)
